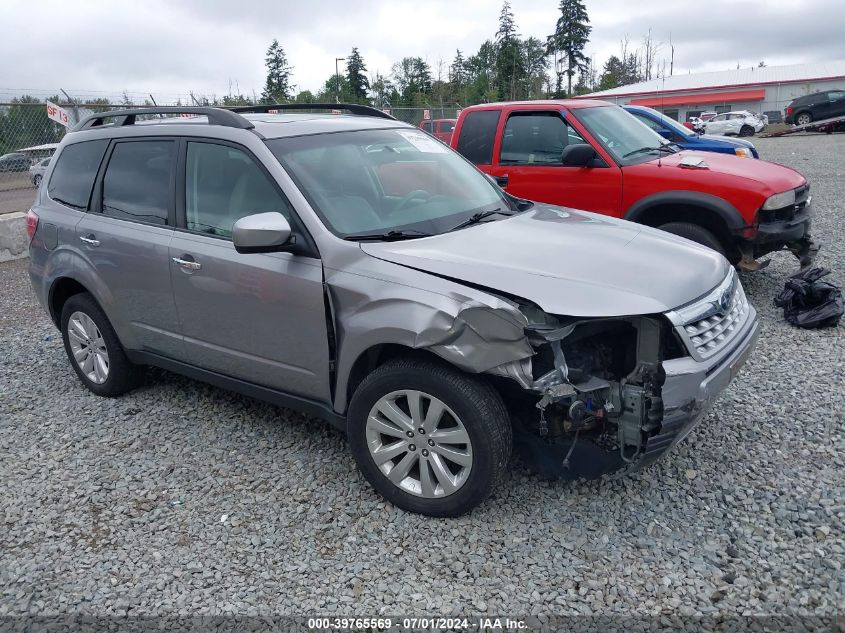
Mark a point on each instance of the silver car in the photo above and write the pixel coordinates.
(352, 267)
(36, 171)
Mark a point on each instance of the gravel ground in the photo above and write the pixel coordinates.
(182, 498)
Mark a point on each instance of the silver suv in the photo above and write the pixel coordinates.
(352, 267)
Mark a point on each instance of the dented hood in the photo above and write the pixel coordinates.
(568, 262)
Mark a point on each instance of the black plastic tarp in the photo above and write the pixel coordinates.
(810, 303)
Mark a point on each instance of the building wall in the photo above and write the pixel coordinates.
(778, 96)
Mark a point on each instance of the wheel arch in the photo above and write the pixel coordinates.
(375, 356)
(62, 289)
(706, 210)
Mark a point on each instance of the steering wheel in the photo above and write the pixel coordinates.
(420, 195)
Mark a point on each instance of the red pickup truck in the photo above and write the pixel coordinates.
(592, 155)
(439, 128)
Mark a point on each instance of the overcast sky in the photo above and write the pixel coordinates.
(171, 47)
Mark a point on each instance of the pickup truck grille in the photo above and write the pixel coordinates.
(708, 325)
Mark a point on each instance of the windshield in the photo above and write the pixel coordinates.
(380, 181)
(629, 140)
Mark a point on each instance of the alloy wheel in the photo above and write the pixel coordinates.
(803, 119)
(419, 443)
(88, 347)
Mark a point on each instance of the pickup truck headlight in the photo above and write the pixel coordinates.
(780, 200)
(744, 152)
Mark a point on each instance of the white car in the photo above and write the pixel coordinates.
(36, 172)
(739, 123)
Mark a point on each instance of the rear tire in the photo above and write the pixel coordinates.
(695, 233)
(94, 351)
(803, 118)
(470, 409)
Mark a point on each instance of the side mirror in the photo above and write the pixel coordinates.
(667, 134)
(262, 233)
(578, 155)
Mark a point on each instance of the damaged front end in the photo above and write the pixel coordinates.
(609, 394)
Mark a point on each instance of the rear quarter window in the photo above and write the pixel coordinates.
(74, 173)
(478, 133)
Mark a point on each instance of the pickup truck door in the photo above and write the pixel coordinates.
(527, 162)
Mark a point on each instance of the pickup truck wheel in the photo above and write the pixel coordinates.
(429, 438)
(94, 350)
(695, 233)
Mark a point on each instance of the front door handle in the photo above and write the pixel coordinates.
(90, 240)
(187, 264)
(502, 181)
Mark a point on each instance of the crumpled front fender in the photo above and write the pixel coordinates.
(469, 328)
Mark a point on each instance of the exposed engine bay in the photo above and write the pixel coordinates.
(591, 394)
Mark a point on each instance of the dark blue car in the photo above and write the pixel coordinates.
(687, 139)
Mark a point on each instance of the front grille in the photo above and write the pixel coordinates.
(708, 325)
(711, 334)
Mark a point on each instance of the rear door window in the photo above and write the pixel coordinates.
(478, 133)
(74, 173)
(138, 184)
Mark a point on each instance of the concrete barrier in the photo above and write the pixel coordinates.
(14, 242)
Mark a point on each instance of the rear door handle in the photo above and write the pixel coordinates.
(187, 264)
(90, 240)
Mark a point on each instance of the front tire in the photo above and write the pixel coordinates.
(429, 438)
(746, 130)
(695, 233)
(94, 351)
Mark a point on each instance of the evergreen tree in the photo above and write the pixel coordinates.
(613, 74)
(277, 89)
(570, 37)
(355, 77)
(510, 66)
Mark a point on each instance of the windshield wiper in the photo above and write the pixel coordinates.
(662, 148)
(475, 218)
(387, 236)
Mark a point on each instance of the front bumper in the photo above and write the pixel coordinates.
(770, 236)
(690, 388)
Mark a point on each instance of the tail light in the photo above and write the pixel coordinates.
(789, 109)
(31, 224)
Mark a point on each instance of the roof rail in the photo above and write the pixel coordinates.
(352, 108)
(216, 116)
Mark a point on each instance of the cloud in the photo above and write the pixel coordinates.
(171, 48)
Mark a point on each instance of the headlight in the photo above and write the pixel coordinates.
(744, 152)
(780, 200)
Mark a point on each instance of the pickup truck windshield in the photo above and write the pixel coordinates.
(400, 182)
(621, 134)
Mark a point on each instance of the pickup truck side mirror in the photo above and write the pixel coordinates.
(667, 134)
(262, 233)
(578, 155)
